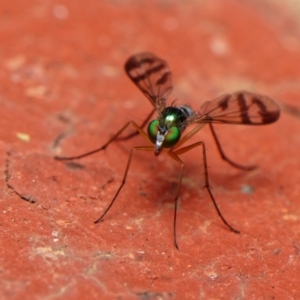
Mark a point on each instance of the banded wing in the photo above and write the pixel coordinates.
(152, 76)
(238, 108)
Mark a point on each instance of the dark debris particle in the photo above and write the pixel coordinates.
(74, 166)
(154, 296)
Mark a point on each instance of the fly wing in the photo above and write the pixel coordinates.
(238, 108)
(152, 76)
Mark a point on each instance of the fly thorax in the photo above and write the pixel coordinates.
(172, 117)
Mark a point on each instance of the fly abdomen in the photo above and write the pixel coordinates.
(188, 111)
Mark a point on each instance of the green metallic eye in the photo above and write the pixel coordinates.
(172, 137)
(152, 130)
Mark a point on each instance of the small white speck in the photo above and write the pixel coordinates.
(219, 46)
(55, 240)
(247, 189)
(60, 11)
(24, 137)
(54, 233)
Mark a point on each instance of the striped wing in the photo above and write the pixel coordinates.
(238, 108)
(152, 76)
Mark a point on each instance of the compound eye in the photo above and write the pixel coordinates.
(152, 130)
(172, 137)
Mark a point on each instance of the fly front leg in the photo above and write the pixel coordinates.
(145, 148)
(113, 138)
(130, 135)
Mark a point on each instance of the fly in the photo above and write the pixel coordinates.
(153, 77)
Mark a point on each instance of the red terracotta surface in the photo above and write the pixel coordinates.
(63, 91)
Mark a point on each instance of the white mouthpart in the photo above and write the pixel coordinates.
(159, 142)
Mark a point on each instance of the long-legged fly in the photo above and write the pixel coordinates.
(153, 77)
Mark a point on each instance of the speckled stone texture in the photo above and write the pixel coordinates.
(64, 91)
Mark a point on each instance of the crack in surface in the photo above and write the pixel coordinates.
(7, 174)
